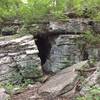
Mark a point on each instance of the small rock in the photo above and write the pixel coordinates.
(36, 85)
(16, 90)
(2, 90)
(30, 86)
(3, 95)
(6, 59)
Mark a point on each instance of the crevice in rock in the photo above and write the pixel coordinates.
(85, 55)
(44, 47)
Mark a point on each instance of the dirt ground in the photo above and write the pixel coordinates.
(31, 93)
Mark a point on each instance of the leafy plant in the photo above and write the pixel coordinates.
(93, 94)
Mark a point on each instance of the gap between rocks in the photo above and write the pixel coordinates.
(44, 47)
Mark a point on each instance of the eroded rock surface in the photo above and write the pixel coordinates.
(19, 54)
(63, 82)
(65, 85)
(80, 25)
(65, 51)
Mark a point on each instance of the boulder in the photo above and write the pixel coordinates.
(3, 95)
(63, 82)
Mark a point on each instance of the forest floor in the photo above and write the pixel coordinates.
(27, 94)
(31, 93)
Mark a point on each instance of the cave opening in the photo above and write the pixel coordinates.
(44, 47)
(85, 55)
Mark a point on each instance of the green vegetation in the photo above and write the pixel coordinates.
(87, 39)
(91, 38)
(93, 94)
(28, 74)
(10, 88)
(37, 10)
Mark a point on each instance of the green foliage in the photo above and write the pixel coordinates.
(35, 10)
(8, 9)
(91, 38)
(87, 8)
(93, 94)
(28, 73)
(87, 39)
(12, 89)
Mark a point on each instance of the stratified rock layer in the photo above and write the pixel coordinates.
(19, 55)
(65, 51)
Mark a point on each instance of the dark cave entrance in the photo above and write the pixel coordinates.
(85, 55)
(44, 47)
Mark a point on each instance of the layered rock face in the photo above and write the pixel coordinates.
(19, 55)
(57, 48)
(65, 52)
